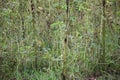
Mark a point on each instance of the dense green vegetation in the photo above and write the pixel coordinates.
(59, 40)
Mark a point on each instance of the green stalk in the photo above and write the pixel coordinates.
(103, 30)
(65, 42)
(33, 12)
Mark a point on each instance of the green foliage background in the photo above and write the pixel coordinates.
(32, 40)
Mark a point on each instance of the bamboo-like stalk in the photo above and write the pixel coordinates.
(33, 12)
(22, 26)
(65, 42)
(117, 7)
(22, 11)
(103, 30)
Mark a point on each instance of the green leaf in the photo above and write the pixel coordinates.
(56, 24)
